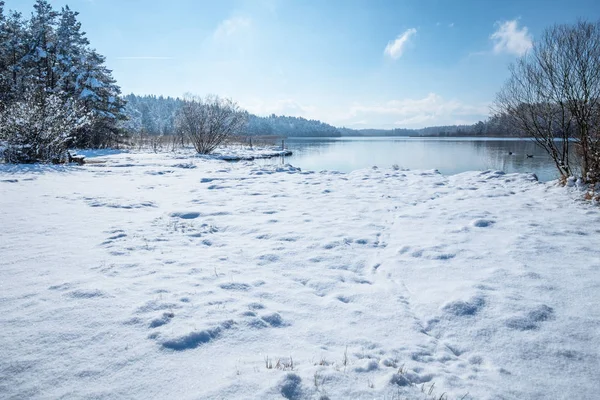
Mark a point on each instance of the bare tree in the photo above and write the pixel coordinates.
(209, 121)
(553, 95)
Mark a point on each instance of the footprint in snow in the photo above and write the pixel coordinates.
(195, 339)
(274, 319)
(268, 258)
(343, 299)
(532, 319)
(483, 223)
(185, 215)
(235, 286)
(162, 320)
(290, 387)
(86, 294)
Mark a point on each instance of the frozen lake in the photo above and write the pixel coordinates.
(448, 155)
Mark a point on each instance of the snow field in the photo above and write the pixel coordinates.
(161, 276)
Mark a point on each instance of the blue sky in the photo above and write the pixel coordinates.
(361, 64)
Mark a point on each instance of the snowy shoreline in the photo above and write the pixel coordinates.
(225, 153)
(234, 280)
(229, 154)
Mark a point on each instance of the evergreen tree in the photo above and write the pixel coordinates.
(97, 90)
(13, 49)
(55, 91)
(5, 86)
(71, 45)
(16, 50)
(42, 56)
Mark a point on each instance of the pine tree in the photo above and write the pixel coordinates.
(13, 50)
(16, 49)
(100, 95)
(71, 45)
(55, 91)
(5, 87)
(42, 55)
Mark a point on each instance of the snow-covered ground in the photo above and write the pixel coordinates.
(165, 276)
(240, 153)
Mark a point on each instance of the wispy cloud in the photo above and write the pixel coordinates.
(395, 48)
(511, 39)
(232, 26)
(144, 58)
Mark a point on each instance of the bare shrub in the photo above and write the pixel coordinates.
(209, 121)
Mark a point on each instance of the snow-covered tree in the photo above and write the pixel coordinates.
(99, 93)
(39, 129)
(42, 48)
(13, 52)
(71, 45)
(47, 61)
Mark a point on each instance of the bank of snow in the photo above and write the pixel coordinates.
(161, 276)
(242, 153)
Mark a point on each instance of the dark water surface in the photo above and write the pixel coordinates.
(448, 155)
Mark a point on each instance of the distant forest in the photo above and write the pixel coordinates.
(155, 115)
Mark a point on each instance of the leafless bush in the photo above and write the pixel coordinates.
(209, 121)
(553, 96)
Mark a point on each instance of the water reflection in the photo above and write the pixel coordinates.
(448, 155)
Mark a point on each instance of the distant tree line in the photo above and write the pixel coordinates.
(289, 126)
(496, 126)
(152, 115)
(55, 91)
(156, 115)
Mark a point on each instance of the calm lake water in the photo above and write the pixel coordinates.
(448, 155)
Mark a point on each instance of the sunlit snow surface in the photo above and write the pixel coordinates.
(176, 277)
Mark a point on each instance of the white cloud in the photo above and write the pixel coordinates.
(509, 38)
(451, 25)
(395, 48)
(232, 26)
(428, 111)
